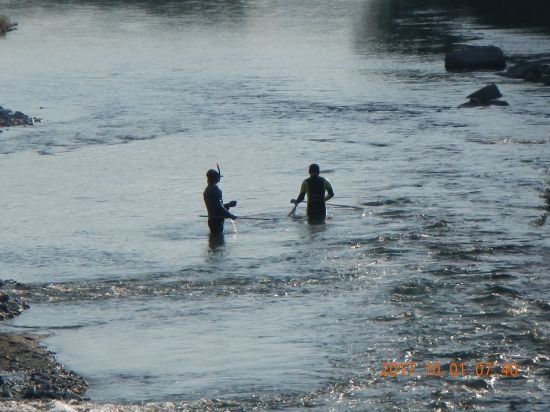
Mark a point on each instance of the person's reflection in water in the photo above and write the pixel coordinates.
(216, 241)
(316, 222)
(316, 228)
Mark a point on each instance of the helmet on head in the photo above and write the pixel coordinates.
(314, 169)
(213, 176)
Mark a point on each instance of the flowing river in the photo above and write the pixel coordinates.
(440, 263)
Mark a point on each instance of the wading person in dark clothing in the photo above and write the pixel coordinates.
(318, 191)
(217, 210)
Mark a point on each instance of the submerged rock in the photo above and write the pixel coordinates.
(480, 103)
(475, 57)
(530, 71)
(524, 69)
(485, 96)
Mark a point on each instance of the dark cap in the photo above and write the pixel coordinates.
(213, 176)
(314, 169)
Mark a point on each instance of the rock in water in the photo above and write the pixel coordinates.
(486, 93)
(475, 57)
(481, 103)
(485, 96)
(522, 69)
(9, 119)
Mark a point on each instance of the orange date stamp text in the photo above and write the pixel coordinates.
(453, 369)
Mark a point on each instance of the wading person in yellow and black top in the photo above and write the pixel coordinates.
(318, 191)
(217, 210)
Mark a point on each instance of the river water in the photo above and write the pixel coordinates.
(443, 257)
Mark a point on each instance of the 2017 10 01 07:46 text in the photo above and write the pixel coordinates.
(454, 369)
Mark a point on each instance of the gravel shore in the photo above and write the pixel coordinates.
(27, 369)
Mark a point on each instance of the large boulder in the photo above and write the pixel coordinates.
(475, 57)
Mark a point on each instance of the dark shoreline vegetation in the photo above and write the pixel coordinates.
(28, 370)
(434, 26)
(499, 13)
(6, 25)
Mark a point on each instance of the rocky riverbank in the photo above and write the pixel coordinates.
(28, 370)
(9, 307)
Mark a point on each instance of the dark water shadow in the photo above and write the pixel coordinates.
(201, 9)
(433, 26)
(316, 228)
(402, 26)
(510, 14)
(215, 242)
